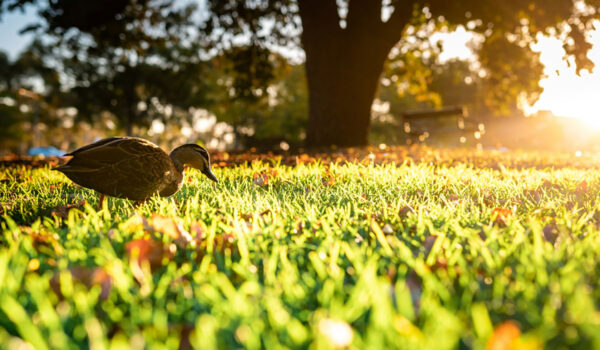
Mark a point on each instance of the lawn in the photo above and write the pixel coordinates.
(414, 255)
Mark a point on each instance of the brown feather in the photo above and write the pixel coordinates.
(131, 168)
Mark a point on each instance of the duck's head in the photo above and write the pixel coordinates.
(193, 156)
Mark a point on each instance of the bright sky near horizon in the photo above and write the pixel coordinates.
(565, 93)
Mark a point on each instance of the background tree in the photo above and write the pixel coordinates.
(347, 42)
(129, 58)
(31, 97)
(261, 95)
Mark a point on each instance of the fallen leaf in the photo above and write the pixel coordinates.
(582, 188)
(168, 226)
(260, 179)
(197, 232)
(500, 216)
(328, 180)
(550, 233)
(405, 211)
(506, 336)
(87, 276)
(62, 211)
(146, 250)
(43, 239)
(533, 195)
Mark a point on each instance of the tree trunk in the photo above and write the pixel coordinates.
(343, 66)
(341, 86)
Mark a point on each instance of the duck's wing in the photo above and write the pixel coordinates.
(96, 144)
(112, 150)
(128, 167)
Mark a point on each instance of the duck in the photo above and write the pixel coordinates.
(133, 168)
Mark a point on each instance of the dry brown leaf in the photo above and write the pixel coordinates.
(550, 233)
(405, 211)
(145, 250)
(454, 198)
(62, 211)
(260, 179)
(87, 276)
(197, 232)
(168, 226)
(533, 195)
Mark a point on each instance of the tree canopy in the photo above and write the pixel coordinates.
(347, 42)
(121, 55)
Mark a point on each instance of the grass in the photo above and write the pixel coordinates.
(312, 256)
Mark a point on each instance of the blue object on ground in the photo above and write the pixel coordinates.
(45, 151)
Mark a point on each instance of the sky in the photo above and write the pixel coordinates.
(10, 25)
(566, 94)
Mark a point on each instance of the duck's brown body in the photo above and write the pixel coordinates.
(131, 168)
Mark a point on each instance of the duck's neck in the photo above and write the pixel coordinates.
(176, 157)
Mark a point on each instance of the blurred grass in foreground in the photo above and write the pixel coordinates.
(313, 256)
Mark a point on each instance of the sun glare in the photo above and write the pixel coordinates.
(567, 94)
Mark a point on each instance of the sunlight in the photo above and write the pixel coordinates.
(455, 44)
(567, 94)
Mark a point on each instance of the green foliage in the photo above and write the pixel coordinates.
(11, 130)
(412, 256)
(127, 54)
(512, 67)
(265, 104)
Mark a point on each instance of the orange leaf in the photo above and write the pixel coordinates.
(454, 198)
(501, 215)
(582, 187)
(197, 232)
(150, 251)
(260, 179)
(168, 226)
(506, 336)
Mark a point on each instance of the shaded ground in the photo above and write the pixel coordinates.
(493, 159)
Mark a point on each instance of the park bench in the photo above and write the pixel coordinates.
(441, 125)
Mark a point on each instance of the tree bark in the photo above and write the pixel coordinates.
(343, 67)
(341, 92)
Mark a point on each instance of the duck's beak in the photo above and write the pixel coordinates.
(210, 175)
